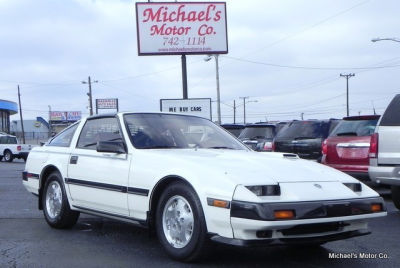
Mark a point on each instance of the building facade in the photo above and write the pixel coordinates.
(7, 108)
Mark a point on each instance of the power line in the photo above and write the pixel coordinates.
(312, 67)
(288, 36)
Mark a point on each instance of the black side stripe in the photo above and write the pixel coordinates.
(138, 191)
(106, 186)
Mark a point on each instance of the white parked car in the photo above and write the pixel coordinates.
(192, 182)
(10, 148)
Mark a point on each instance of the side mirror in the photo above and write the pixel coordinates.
(117, 147)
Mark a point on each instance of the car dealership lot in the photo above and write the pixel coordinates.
(27, 240)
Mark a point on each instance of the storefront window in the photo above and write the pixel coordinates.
(4, 121)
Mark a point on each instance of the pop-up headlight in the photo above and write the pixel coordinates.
(265, 190)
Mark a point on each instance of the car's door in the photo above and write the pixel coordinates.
(98, 181)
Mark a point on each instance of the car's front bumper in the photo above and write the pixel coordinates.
(313, 221)
(287, 241)
(306, 209)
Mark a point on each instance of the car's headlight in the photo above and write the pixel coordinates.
(265, 190)
(354, 186)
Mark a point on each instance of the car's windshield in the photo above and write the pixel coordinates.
(303, 130)
(257, 133)
(152, 131)
(355, 128)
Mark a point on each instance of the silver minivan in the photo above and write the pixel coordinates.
(384, 154)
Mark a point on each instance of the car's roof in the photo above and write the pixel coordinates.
(362, 117)
(261, 125)
(236, 126)
(124, 113)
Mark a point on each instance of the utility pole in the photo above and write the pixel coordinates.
(49, 121)
(234, 111)
(244, 108)
(302, 116)
(347, 76)
(89, 82)
(20, 116)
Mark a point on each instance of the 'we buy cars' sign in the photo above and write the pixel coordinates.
(181, 28)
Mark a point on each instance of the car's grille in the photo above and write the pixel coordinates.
(313, 228)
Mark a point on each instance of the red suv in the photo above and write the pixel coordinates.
(347, 147)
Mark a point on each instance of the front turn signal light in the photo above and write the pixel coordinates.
(376, 207)
(284, 214)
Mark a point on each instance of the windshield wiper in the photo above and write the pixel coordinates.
(346, 134)
(90, 144)
(160, 147)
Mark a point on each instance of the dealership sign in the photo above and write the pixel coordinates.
(71, 116)
(181, 28)
(199, 107)
(107, 103)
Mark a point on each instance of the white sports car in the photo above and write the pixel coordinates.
(192, 182)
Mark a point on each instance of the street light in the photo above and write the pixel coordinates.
(387, 38)
(208, 58)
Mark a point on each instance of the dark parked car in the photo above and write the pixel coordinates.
(347, 147)
(304, 138)
(258, 136)
(235, 129)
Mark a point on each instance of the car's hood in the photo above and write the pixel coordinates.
(249, 167)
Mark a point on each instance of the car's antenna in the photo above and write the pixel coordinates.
(373, 107)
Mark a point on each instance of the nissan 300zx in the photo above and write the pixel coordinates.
(193, 182)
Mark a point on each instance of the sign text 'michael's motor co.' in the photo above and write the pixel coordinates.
(181, 28)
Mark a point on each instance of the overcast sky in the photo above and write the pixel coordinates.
(48, 47)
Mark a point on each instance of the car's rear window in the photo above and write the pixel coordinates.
(355, 128)
(304, 130)
(267, 132)
(391, 116)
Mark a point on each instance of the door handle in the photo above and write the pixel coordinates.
(73, 160)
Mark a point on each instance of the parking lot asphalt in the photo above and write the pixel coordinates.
(27, 241)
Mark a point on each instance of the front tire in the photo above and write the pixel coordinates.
(180, 223)
(8, 157)
(55, 204)
(396, 196)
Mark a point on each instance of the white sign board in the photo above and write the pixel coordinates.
(168, 28)
(199, 107)
(107, 103)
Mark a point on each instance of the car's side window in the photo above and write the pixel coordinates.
(3, 140)
(12, 140)
(100, 129)
(63, 139)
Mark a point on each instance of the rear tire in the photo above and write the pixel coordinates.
(180, 223)
(55, 203)
(8, 157)
(396, 196)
